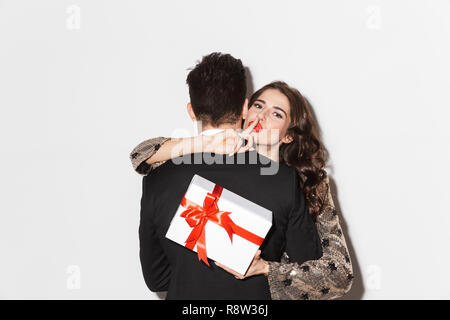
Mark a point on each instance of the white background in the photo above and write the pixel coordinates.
(83, 82)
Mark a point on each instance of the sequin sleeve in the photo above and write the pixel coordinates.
(143, 151)
(329, 277)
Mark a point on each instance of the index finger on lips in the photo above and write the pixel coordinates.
(250, 127)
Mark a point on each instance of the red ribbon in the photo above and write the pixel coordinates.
(197, 216)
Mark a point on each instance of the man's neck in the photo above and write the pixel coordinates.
(271, 152)
(235, 126)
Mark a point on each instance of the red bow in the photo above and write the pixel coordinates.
(197, 217)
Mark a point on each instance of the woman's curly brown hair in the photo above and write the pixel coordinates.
(306, 152)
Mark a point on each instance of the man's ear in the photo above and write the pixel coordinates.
(245, 109)
(191, 112)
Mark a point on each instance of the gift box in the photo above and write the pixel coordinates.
(219, 224)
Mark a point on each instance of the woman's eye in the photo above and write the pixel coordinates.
(278, 115)
(258, 106)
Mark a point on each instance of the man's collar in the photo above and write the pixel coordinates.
(211, 132)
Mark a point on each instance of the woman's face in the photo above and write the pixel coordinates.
(272, 110)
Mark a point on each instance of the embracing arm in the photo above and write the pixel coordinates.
(143, 152)
(151, 153)
(329, 277)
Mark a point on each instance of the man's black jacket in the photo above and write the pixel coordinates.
(168, 266)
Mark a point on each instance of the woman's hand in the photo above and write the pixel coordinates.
(229, 141)
(258, 266)
(247, 135)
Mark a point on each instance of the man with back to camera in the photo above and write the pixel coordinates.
(217, 88)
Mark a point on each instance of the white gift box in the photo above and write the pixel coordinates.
(244, 214)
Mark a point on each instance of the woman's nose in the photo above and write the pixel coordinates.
(262, 115)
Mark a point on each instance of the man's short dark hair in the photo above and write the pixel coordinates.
(217, 88)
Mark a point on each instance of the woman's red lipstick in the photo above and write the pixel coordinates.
(257, 128)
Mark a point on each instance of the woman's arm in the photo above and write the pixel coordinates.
(143, 151)
(151, 153)
(329, 277)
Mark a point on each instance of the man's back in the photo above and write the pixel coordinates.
(169, 266)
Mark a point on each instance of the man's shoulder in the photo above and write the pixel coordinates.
(164, 170)
(165, 175)
(249, 160)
